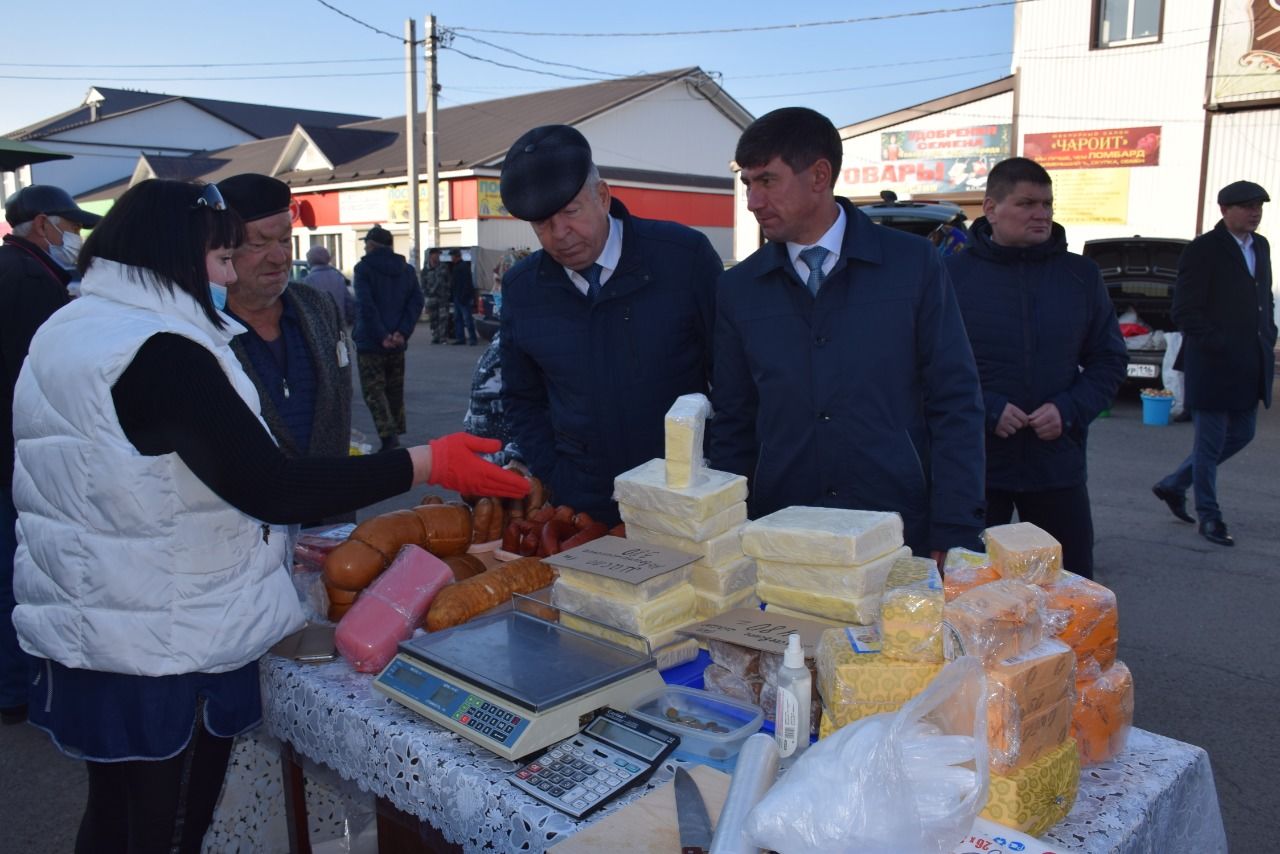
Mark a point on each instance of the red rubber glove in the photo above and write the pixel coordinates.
(454, 465)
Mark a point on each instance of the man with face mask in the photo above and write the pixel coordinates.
(35, 264)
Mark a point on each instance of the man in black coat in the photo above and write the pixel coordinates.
(1223, 304)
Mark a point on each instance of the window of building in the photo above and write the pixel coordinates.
(1123, 22)
(332, 242)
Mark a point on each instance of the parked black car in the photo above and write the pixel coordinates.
(921, 218)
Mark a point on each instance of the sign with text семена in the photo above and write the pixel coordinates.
(1094, 149)
(936, 143)
(937, 160)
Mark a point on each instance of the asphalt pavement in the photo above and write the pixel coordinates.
(1198, 622)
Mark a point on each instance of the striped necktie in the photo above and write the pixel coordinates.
(813, 258)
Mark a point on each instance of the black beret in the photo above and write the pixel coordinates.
(544, 170)
(29, 202)
(378, 234)
(255, 196)
(1240, 192)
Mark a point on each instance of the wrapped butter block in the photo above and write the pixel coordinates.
(866, 579)
(823, 535)
(1092, 627)
(782, 611)
(1022, 550)
(685, 427)
(675, 607)
(997, 620)
(1035, 798)
(656, 640)
(645, 487)
(625, 591)
(829, 606)
(712, 604)
(717, 551)
(1103, 714)
(720, 680)
(911, 611)
(689, 527)
(679, 652)
(724, 579)
(855, 680)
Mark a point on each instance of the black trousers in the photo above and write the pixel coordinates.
(1064, 513)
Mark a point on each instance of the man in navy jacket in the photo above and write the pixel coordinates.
(1049, 351)
(843, 377)
(602, 329)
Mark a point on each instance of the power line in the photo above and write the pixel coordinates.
(533, 58)
(112, 78)
(198, 64)
(876, 85)
(521, 68)
(364, 24)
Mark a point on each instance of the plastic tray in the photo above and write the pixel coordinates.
(738, 718)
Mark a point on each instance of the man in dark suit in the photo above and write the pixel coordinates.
(1223, 304)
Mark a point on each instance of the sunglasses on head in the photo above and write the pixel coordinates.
(209, 198)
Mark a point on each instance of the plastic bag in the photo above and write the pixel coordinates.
(1169, 376)
(912, 781)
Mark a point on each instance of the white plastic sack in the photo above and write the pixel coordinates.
(908, 782)
(1172, 379)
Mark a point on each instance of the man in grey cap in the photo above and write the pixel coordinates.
(1223, 304)
(35, 263)
(602, 329)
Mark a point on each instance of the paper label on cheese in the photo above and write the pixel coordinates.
(752, 628)
(863, 639)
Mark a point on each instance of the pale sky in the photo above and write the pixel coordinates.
(850, 71)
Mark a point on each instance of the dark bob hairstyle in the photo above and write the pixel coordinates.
(166, 228)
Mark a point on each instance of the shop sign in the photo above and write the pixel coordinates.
(363, 205)
(489, 199)
(976, 141)
(1094, 149)
(948, 175)
(1091, 197)
(398, 202)
(1246, 66)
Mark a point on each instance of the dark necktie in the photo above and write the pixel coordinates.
(592, 275)
(813, 258)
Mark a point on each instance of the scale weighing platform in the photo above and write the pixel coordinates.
(515, 683)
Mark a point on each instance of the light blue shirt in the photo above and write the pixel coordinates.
(831, 241)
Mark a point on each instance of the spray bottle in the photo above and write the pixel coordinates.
(795, 698)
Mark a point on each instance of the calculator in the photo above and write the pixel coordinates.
(582, 773)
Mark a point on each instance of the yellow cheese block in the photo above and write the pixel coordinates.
(675, 607)
(1028, 683)
(1022, 550)
(645, 486)
(911, 611)
(851, 671)
(866, 579)
(686, 526)
(717, 551)
(625, 591)
(685, 424)
(997, 620)
(836, 608)
(1035, 798)
(657, 640)
(681, 474)
(711, 604)
(1017, 741)
(781, 611)
(724, 579)
(832, 721)
(823, 535)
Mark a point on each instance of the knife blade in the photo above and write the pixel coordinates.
(691, 813)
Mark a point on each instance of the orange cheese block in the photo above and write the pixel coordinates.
(996, 620)
(1103, 714)
(1017, 740)
(962, 579)
(1093, 625)
(1028, 698)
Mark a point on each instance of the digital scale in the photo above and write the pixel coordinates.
(515, 683)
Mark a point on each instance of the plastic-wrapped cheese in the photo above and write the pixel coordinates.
(839, 609)
(686, 526)
(1017, 741)
(1103, 714)
(645, 487)
(717, 551)
(1092, 627)
(675, 607)
(911, 611)
(1035, 798)
(1029, 698)
(964, 570)
(724, 579)
(855, 680)
(857, 582)
(625, 591)
(783, 611)
(657, 640)
(997, 620)
(1022, 550)
(685, 426)
(678, 652)
(713, 604)
(823, 535)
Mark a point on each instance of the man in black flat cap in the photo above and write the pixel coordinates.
(602, 329)
(294, 349)
(1223, 304)
(35, 263)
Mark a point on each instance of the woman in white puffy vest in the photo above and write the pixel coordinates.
(152, 568)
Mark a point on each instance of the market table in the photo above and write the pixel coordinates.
(1158, 796)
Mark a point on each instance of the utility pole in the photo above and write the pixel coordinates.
(433, 171)
(412, 141)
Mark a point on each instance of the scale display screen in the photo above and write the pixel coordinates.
(626, 738)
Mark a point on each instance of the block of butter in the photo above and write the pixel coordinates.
(997, 620)
(686, 526)
(1092, 628)
(645, 487)
(724, 579)
(656, 640)
(911, 611)
(853, 672)
(865, 579)
(675, 607)
(625, 591)
(1022, 550)
(1034, 798)
(717, 551)
(1103, 714)
(782, 611)
(685, 426)
(714, 604)
(823, 535)
(840, 609)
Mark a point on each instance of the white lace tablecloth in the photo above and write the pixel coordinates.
(1158, 796)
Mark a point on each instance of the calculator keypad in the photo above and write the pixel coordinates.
(578, 775)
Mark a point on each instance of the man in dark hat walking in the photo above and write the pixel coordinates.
(35, 264)
(602, 329)
(388, 305)
(1223, 304)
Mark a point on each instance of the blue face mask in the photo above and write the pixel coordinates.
(219, 295)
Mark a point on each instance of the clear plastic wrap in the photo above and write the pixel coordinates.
(1022, 550)
(783, 611)
(964, 570)
(1092, 627)
(657, 640)
(856, 681)
(911, 781)
(957, 558)
(689, 527)
(754, 773)
(645, 487)
(314, 544)
(857, 582)
(625, 591)
(834, 607)
(719, 680)
(711, 604)
(1035, 798)
(685, 426)
(724, 579)
(717, 551)
(1029, 701)
(676, 653)
(1103, 714)
(675, 607)
(911, 611)
(827, 536)
(997, 620)
(737, 659)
